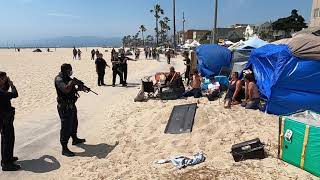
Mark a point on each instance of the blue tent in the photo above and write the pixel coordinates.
(211, 58)
(286, 82)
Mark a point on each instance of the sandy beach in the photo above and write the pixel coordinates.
(125, 138)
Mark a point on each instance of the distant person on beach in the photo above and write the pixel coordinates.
(195, 86)
(97, 53)
(168, 55)
(235, 92)
(188, 67)
(116, 70)
(253, 96)
(75, 52)
(93, 53)
(67, 97)
(158, 54)
(146, 52)
(101, 65)
(18, 49)
(149, 53)
(112, 52)
(7, 113)
(79, 54)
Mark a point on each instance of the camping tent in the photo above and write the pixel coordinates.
(211, 58)
(288, 83)
(252, 43)
(240, 60)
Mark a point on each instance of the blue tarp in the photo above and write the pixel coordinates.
(287, 83)
(211, 58)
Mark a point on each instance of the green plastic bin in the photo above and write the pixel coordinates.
(299, 140)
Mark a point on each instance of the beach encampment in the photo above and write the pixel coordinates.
(211, 58)
(286, 82)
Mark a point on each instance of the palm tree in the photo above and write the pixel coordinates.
(157, 12)
(164, 28)
(142, 29)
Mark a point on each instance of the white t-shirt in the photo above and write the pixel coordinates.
(214, 86)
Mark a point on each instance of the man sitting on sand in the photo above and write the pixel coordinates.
(253, 96)
(172, 76)
(195, 85)
(213, 89)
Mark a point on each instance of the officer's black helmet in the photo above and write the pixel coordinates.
(2, 74)
(66, 67)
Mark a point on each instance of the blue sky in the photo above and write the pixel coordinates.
(34, 19)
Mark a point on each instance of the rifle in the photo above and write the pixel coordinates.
(83, 87)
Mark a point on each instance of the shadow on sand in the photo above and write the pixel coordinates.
(100, 150)
(44, 164)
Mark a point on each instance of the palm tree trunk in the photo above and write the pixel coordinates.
(142, 38)
(157, 31)
(174, 24)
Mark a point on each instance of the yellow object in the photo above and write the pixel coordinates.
(305, 143)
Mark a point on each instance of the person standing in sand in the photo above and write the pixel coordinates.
(116, 70)
(7, 113)
(75, 52)
(124, 67)
(67, 97)
(97, 53)
(188, 67)
(101, 65)
(93, 53)
(79, 54)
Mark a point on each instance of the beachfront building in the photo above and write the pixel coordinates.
(265, 31)
(192, 34)
(315, 14)
(250, 31)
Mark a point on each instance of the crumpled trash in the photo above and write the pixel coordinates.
(182, 161)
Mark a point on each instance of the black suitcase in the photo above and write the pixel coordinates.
(253, 149)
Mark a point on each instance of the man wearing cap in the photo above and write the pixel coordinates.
(67, 97)
(7, 113)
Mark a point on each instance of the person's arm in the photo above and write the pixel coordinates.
(246, 91)
(13, 93)
(65, 88)
(250, 91)
(237, 91)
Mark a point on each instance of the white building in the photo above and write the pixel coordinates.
(250, 32)
(315, 14)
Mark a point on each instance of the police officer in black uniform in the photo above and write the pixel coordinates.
(101, 65)
(117, 70)
(7, 113)
(124, 67)
(67, 97)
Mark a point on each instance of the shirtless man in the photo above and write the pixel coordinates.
(252, 93)
(195, 85)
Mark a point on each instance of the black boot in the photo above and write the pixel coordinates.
(13, 159)
(66, 151)
(76, 141)
(11, 166)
